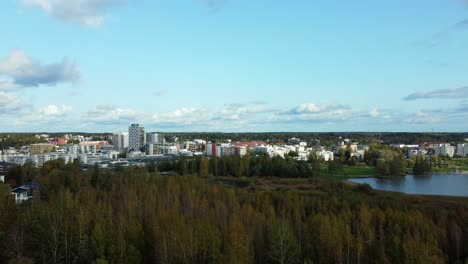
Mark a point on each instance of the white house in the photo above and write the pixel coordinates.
(21, 194)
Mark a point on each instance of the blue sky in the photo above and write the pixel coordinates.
(233, 65)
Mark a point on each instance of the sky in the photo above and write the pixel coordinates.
(234, 65)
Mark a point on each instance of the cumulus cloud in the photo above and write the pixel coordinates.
(10, 104)
(421, 117)
(91, 13)
(228, 114)
(374, 112)
(312, 108)
(54, 110)
(22, 71)
(50, 114)
(8, 85)
(317, 112)
(454, 93)
(239, 111)
(183, 116)
(109, 114)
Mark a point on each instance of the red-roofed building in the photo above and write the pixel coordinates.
(59, 141)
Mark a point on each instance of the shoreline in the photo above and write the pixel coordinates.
(355, 184)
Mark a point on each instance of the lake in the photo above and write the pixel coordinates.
(438, 184)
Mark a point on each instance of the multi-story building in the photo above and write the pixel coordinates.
(444, 149)
(136, 137)
(40, 159)
(41, 148)
(462, 149)
(239, 150)
(154, 138)
(120, 141)
(325, 155)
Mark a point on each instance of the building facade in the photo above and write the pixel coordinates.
(136, 137)
(444, 149)
(41, 148)
(120, 140)
(154, 138)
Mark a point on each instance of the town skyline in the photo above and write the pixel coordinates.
(233, 66)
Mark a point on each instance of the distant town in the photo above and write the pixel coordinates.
(137, 147)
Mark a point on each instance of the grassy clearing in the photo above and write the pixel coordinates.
(442, 169)
(359, 171)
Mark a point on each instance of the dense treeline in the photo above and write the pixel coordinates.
(18, 140)
(422, 165)
(137, 216)
(248, 165)
(330, 138)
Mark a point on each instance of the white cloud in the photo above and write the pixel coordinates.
(421, 117)
(10, 104)
(54, 110)
(44, 4)
(91, 13)
(311, 108)
(240, 111)
(319, 112)
(374, 112)
(454, 93)
(50, 114)
(108, 114)
(183, 116)
(24, 71)
(8, 85)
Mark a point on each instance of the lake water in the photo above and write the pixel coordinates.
(438, 184)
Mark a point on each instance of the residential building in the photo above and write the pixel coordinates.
(120, 140)
(59, 141)
(462, 149)
(154, 138)
(211, 149)
(41, 148)
(25, 192)
(444, 149)
(20, 194)
(136, 137)
(325, 155)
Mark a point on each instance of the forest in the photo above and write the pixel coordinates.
(137, 215)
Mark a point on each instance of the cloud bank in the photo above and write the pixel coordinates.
(91, 13)
(22, 71)
(455, 93)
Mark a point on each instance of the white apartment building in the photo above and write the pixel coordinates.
(154, 138)
(462, 149)
(444, 149)
(120, 140)
(325, 155)
(40, 159)
(136, 137)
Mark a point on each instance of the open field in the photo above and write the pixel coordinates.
(359, 171)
